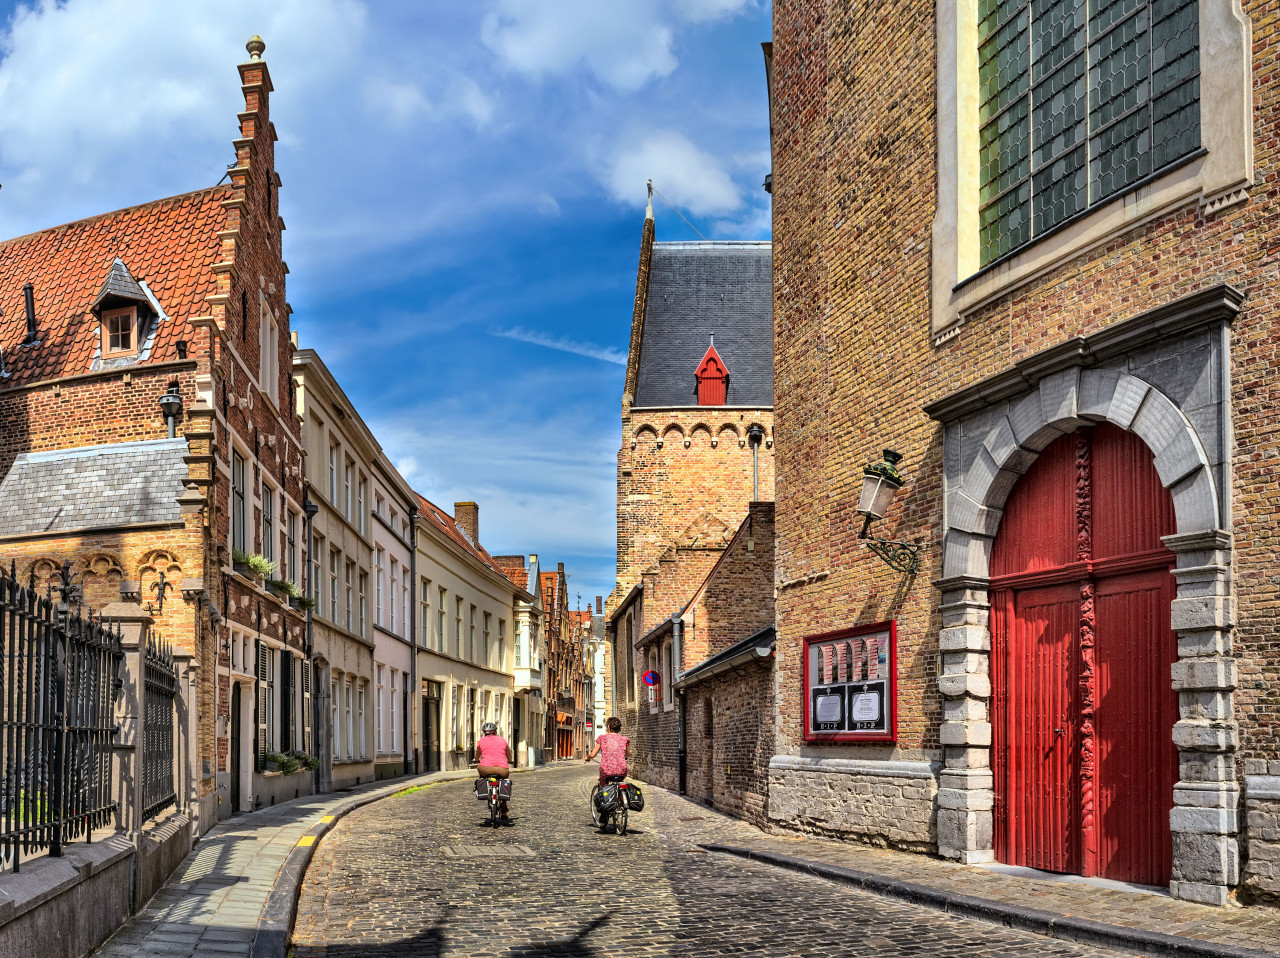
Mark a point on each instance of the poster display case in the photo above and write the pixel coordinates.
(851, 684)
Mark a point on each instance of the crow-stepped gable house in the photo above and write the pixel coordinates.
(149, 440)
(1031, 254)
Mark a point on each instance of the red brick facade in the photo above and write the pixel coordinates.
(857, 216)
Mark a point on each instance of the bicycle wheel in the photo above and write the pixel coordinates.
(493, 813)
(620, 820)
(595, 813)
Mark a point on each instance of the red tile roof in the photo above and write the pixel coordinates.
(170, 244)
(513, 568)
(444, 521)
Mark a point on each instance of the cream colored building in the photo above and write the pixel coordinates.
(340, 469)
(467, 615)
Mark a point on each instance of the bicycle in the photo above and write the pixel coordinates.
(618, 814)
(492, 791)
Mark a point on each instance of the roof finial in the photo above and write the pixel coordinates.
(648, 208)
(256, 47)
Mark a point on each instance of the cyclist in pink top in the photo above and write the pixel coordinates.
(614, 750)
(494, 756)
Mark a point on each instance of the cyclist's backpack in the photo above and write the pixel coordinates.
(635, 798)
(607, 799)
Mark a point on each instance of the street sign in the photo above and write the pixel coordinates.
(651, 678)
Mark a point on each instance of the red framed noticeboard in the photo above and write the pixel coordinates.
(851, 684)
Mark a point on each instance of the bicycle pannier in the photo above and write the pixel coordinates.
(482, 788)
(607, 799)
(635, 798)
(504, 789)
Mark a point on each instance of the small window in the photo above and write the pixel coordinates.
(119, 332)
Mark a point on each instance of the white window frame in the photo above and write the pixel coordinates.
(395, 737)
(377, 599)
(378, 708)
(349, 586)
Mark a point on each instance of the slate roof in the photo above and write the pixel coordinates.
(169, 244)
(695, 291)
(765, 638)
(120, 284)
(93, 487)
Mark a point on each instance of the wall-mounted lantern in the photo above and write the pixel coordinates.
(880, 483)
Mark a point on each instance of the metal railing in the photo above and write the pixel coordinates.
(160, 687)
(59, 680)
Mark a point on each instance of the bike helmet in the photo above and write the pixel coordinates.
(489, 728)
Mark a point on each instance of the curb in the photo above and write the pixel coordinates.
(1051, 924)
(276, 922)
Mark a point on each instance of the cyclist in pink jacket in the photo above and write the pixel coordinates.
(494, 756)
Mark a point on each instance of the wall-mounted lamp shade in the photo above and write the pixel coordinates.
(879, 484)
(171, 404)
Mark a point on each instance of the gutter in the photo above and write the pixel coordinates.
(756, 654)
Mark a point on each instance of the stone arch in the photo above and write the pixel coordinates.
(673, 431)
(700, 431)
(989, 448)
(100, 576)
(1060, 404)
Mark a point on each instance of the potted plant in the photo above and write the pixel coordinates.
(240, 561)
(285, 764)
(283, 587)
(303, 603)
(261, 566)
(307, 763)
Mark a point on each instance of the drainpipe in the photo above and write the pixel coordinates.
(413, 693)
(309, 510)
(755, 435)
(677, 653)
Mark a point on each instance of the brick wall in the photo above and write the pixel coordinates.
(729, 735)
(737, 599)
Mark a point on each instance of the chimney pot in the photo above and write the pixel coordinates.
(29, 300)
(467, 516)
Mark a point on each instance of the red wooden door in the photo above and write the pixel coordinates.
(1137, 760)
(1082, 705)
(1037, 814)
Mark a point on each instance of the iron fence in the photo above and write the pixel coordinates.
(160, 686)
(59, 679)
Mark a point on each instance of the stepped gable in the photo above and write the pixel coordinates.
(170, 244)
(697, 291)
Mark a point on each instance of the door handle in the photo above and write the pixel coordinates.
(1057, 731)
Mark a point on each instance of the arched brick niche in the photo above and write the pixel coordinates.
(1162, 376)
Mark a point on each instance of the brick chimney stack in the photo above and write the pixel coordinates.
(599, 605)
(467, 516)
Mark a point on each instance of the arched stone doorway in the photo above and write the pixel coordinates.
(1164, 377)
(1082, 708)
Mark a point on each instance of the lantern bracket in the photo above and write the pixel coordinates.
(903, 556)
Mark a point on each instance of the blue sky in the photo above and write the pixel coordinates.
(464, 186)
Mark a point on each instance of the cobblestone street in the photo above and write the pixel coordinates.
(418, 875)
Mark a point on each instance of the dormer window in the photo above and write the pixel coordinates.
(713, 379)
(119, 332)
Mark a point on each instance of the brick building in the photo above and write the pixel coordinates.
(695, 480)
(1022, 246)
(181, 297)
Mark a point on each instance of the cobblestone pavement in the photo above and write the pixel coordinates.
(210, 906)
(418, 875)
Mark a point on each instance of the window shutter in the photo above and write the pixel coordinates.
(306, 706)
(287, 708)
(263, 745)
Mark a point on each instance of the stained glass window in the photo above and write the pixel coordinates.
(1079, 100)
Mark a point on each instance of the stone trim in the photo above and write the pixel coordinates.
(855, 766)
(1220, 176)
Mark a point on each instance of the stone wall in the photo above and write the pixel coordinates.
(1262, 823)
(881, 803)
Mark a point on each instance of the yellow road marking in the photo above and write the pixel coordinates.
(326, 818)
(307, 840)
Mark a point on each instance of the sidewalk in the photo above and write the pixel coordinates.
(1101, 913)
(219, 901)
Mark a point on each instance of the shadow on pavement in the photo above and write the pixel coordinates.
(432, 943)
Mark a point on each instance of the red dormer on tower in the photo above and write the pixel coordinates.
(713, 378)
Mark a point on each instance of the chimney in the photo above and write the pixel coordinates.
(29, 298)
(467, 516)
(599, 605)
(560, 567)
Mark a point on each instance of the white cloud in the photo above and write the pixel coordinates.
(603, 353)
(693, 180)
(623, 44)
